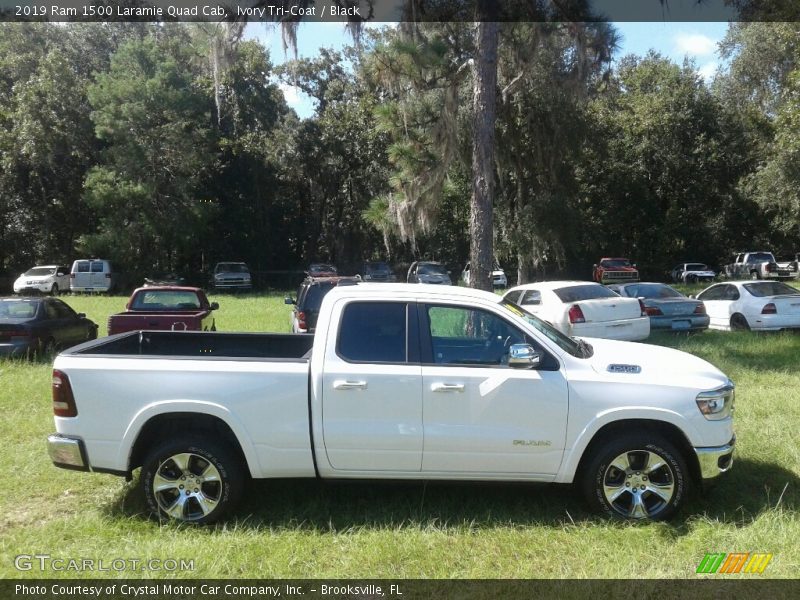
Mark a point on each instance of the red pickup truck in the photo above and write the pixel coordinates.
(615, 270)
(165, 308)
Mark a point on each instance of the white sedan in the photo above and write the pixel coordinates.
(741, 305)
(583, 308)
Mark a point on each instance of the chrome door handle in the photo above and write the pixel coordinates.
(447, 387)
(349, 385)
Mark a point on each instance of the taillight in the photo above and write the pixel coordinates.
(576, 314)
(301, 320)
(63, 400)
(700, 309)
(769, 309)
(19, 334)
(652, 311)
(644, 308)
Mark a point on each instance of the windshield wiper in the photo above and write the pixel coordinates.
(584, 347)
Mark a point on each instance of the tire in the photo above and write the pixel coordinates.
(637, 477)
(754, 275)
(200, 479)
(48, 348)
(54, 289)
(691, 279)
(739, 323)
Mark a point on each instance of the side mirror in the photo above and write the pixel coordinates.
(523, 356)
(634, 264)
(594, 266)
(289, 300)
(214, 306)
(81, 315)
(691, 295)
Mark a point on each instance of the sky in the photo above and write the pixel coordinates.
(675, 40)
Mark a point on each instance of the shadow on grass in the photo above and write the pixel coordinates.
(766, 351)
(749, 490)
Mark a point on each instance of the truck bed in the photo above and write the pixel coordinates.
(200, 344)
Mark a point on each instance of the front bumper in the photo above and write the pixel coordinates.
(67, 452)
(715, 461)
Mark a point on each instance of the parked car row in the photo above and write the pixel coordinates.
(630, 311)
(85, 275)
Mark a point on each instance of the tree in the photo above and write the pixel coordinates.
(155, 120)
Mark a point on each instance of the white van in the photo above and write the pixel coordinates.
(91, 275)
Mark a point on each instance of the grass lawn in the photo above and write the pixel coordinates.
(314, 529)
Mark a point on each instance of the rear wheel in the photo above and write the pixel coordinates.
(739, 323)
(637, 477)
(691, 279)
(754, 275)
(192, 479)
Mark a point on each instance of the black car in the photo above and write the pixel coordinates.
(33, 325)
(376, 271)
(309, 299)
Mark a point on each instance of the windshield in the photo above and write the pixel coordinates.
(322, 268)
(566, 343)
(372, 268)
(615, 262)
(40, 271)
(430, 269)
(231, 268)
(697, 267)
(590, 291)
(166, 300)
(650, 290)
(763, 289)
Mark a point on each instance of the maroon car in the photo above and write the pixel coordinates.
(173, 308)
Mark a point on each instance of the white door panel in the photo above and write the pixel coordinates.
(493, 420)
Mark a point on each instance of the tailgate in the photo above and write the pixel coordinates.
(188, 321)
(610, 309)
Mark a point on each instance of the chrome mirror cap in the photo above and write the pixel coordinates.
(523, 356)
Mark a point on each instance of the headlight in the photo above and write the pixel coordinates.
(717, 404)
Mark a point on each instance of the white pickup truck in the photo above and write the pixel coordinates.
(399, 382)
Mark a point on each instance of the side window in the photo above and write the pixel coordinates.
(51, 311)
(462, 335)
(714, 293)
(64, 311)
(83, 266)
(531, 297)
(513, 297)
(373, 332)
(731, 293)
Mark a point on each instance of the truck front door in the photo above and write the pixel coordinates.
(481, 416)
(371, 388)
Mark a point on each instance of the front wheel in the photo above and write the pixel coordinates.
(637, 477)
(192, 479)
(54, 289)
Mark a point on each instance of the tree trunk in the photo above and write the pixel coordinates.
(484, 100)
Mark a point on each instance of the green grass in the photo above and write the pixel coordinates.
(316, 529)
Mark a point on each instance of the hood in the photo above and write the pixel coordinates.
(622, 269)
(434, 278)
(35, 278)
(659, 365)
